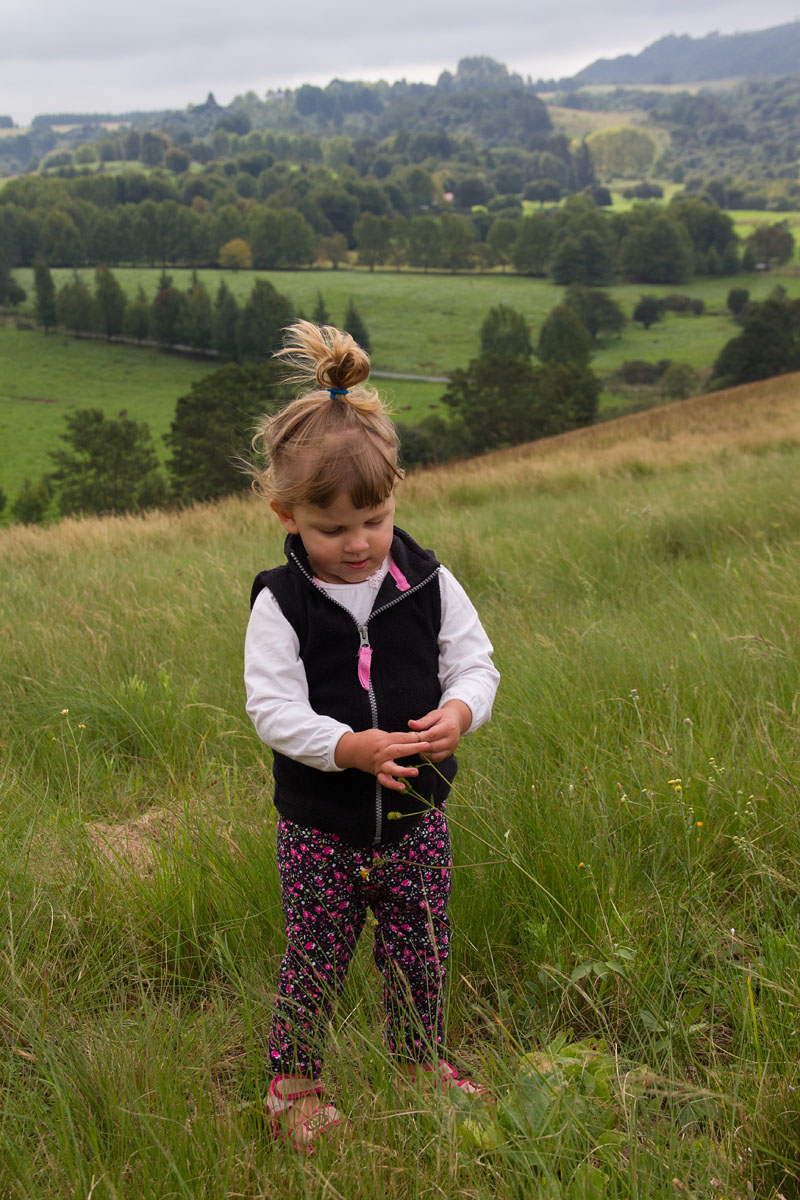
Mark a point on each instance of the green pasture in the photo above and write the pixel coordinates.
(419, 324)
(41, 378)
(625, 951)
(428, 324)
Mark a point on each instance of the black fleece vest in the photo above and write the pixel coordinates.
(402, 630)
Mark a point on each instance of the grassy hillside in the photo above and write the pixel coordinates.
(626, 958)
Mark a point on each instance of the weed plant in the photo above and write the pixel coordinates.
(625, 964)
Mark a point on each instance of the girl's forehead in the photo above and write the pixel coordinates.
(344, 512)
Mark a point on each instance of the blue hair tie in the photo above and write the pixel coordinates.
(338, 392)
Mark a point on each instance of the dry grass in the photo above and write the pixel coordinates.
(741, 418)
(136, 842)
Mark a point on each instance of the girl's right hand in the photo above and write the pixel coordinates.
(374, 751)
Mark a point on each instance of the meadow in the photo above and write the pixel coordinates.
(625, 963)
(419, 325)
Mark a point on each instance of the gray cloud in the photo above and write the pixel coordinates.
(86, 56)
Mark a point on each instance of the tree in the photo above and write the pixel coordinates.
(372, 234)
(530, 253)
(355, 326)
(334, 248)
(504, 334)
(235, 255)
(32, 502)
(109, 466)
(564, 339)
(263, 319)
(225, 323)
(137, 316)
(657, 249)
(320, 315)
(10, 290)
(585, 257)
(769, 344)
(45, 295)
(153, 147)
(679, 381)
(166, 313)
(648, 310)
(543, 191)
(471, 191)
(622, 152)
(456, 242)
(197, 317)
(424, 243)
(737, 301)
(596, 310)
(772, 244)
(500, 240)
(109, 303)
(507, 401)
(74, 306)
(213, 425)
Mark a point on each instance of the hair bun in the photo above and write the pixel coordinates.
(325, 355)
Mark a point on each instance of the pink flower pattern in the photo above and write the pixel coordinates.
(326, 888)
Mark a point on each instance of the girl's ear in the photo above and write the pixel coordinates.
(284, 516)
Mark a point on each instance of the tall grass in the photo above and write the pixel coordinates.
(625, 957)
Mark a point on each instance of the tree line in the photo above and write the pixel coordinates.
(95, 221)
(189, 319)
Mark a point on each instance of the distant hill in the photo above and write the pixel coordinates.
(672, 59)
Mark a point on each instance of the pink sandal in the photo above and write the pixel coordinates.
(309, 1128)
(447, 1077)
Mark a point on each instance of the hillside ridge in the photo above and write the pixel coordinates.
(765, 53)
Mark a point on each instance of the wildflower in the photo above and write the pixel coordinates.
(580, 864)
(363, 872)
(81, 726)
(699, 824)
(64, 712)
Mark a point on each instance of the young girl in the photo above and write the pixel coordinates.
(365, 663)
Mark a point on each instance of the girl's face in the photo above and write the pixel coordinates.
(344, 544)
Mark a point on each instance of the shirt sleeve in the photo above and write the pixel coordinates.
(466, 670)
(277, 690)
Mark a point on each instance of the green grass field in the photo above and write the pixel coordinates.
(419, 324)
(625, 963)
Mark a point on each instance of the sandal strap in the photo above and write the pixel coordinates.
(278, 1100)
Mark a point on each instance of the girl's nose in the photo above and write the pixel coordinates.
(357, 540)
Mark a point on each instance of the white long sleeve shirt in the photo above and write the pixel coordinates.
(277, 689)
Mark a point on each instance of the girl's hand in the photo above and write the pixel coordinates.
(374, 751)
(442, 728)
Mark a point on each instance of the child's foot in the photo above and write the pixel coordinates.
(441, 1076)
(298, 1113)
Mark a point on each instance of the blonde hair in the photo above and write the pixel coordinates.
(325, 442)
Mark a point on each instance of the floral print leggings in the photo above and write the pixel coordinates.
(326, 888)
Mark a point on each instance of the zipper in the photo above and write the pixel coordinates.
(364, 646)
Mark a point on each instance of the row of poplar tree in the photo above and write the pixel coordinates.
(189, 319)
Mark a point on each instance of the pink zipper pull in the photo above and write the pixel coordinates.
(364, 658)
(397, 575)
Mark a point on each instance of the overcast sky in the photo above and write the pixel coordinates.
(92, 56)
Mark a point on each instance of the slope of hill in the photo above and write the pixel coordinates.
(624, 964)
(672, 59)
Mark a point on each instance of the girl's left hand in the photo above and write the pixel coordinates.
(443, 728)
